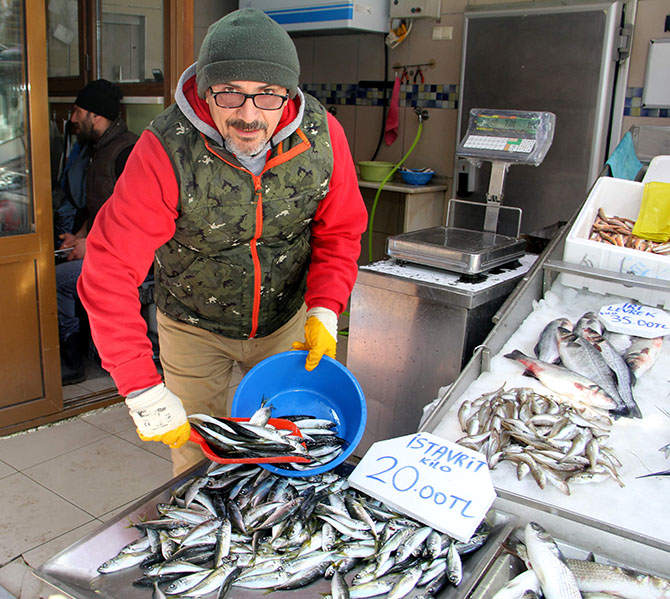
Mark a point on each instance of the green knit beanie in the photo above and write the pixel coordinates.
(247, 45)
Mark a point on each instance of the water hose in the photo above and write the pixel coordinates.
(423, 115)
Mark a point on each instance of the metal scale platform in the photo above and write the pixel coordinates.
(504, 138)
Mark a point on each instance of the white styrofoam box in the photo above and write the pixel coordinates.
(617, 197)
(659, 170)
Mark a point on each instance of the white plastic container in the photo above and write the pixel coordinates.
(325, 15)
(617, 197)
(659, 170)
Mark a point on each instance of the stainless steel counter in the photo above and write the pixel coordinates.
(74, 570)
(411, 330)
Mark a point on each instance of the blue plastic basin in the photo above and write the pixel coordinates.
(329, 391)
(416, 177)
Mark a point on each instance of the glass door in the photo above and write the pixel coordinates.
(29, 358)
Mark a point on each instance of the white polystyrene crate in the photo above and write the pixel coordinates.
(617, 197)
(659, 170)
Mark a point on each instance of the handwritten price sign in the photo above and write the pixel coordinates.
(435, 481)
(634, 319)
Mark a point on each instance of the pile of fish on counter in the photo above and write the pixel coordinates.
(560, 437)
(241, 526)
(552, 575)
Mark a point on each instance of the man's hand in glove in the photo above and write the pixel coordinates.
(320, 336)
(159, 415)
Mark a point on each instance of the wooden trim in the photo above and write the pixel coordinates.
(88, 38)
(179, 39)
(38, 120)
(86, 404)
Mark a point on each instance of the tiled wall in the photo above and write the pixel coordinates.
(422, 96)
(437, 96)
(333, 65)
(633, 105)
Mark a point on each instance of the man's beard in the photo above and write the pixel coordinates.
(243, 148)
(85, 134)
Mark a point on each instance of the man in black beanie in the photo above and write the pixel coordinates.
(244, 195)
(104, 146)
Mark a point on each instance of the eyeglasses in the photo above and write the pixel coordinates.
(263, 100)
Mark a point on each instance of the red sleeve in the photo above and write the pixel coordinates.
(336, 231)
(137, 219)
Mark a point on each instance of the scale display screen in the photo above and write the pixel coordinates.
(508, 135)
(505, 125)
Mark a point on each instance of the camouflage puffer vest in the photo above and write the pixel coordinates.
(237, 263)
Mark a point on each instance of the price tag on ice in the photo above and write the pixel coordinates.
(634, 319)
(435, 481)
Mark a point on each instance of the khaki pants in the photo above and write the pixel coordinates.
(198, 364)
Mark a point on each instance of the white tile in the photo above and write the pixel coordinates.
(100, 383)
(27, 449)
(34, 588)
(112, 419)
(159, 449)
(12, 576)
(33, 515)
(103, 475)
(36, 557)
(6, 470)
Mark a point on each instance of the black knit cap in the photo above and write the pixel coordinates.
(247, 45)
(101, 97)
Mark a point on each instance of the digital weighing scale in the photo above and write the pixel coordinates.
(504, 138)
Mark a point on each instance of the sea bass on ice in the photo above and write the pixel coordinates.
(581, 357)
(641, 354)
(566, 383)
(618, 366)
(546, 348)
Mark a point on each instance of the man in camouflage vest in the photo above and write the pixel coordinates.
(244, 194)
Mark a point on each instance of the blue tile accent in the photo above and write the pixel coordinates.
(441, 95)
(633, 105)
(423, 96)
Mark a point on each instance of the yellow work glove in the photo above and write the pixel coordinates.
(320, 336)
(159, 415)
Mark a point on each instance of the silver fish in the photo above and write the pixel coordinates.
(580, 356)
(338, 586)
(566, 383)
(546, 348)
(618, 366)
(588, 320)
(556, 578)
(214, 580)
(454, 565)
(595, 577)
(186, 582)
(370, 589)
(406, 583)
(641, 354)
(518, 585)
(124, 560)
